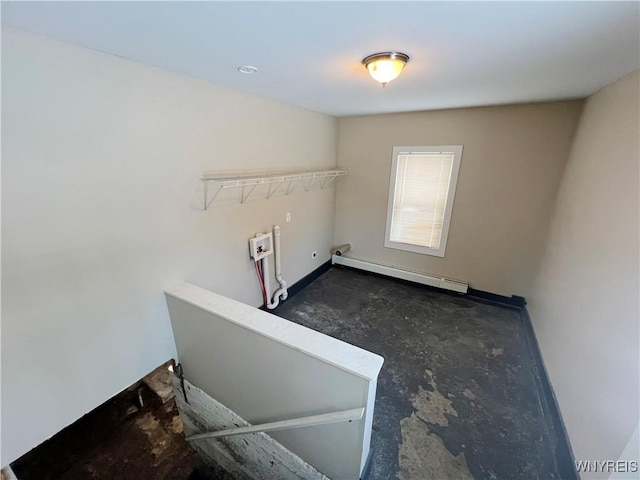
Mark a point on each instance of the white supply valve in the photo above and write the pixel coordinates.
(260, 246)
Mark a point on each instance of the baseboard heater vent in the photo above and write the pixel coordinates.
(401, 274)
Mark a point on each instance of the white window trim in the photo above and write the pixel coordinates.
(438, 252)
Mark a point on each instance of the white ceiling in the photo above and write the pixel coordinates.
(309, 53)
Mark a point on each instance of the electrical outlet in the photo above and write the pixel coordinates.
(287, 217)
(314, 254)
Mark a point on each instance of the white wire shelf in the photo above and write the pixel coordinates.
(248, 183)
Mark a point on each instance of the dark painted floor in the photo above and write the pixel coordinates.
(457, 396)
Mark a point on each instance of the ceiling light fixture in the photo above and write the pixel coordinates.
(247, 69)
(385, 66)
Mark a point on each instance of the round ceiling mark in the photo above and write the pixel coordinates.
(247, 69)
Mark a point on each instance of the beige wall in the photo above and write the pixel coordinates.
(585, 302)
(512, 161)
(101, 210)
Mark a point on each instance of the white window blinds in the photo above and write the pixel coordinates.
(422, 186)
(421, 191)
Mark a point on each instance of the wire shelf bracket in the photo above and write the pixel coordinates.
(214, 184)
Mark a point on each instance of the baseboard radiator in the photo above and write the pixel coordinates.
(415, 277)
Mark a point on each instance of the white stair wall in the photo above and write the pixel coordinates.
(266, 368)
(254, 456)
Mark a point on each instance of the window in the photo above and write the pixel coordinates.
(421, 191)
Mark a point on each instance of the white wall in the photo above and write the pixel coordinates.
(101, 211)
(630, 453)
(266, 368)
(512, 162)
(584, 306)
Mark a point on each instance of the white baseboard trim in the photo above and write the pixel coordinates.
(401, 274)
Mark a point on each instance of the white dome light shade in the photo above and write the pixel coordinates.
(385, 66)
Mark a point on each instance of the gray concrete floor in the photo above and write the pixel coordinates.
(457, 396)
